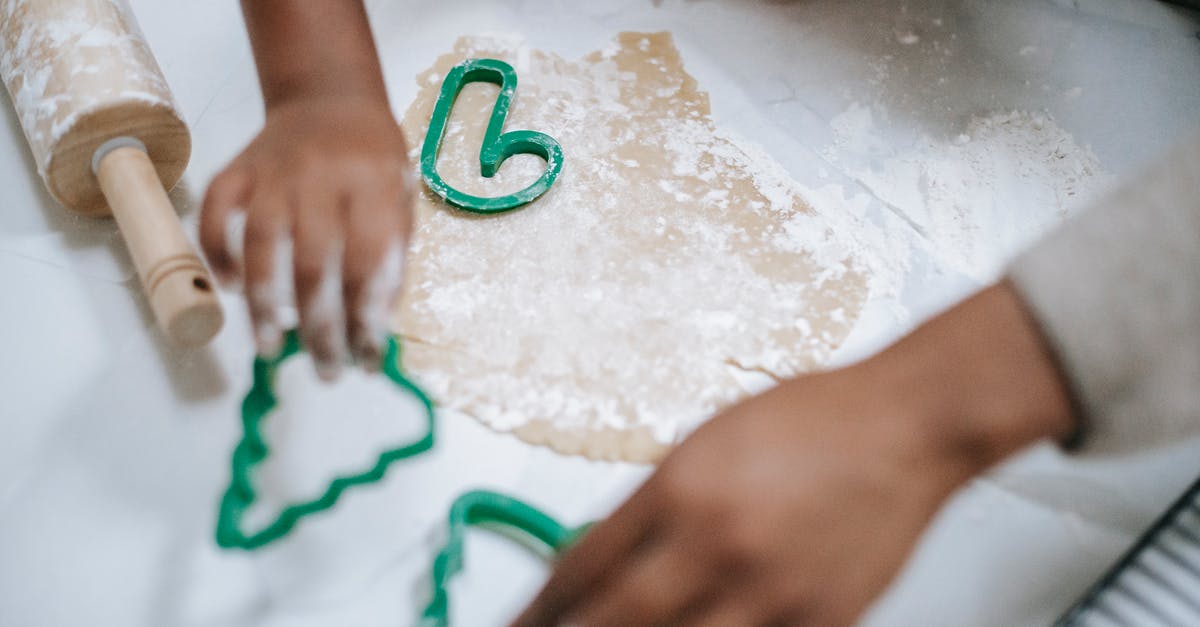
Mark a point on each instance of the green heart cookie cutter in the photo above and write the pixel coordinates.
(253, 449)
(482, 507)
(497, 146)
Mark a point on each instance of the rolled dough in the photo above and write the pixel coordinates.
(610, 317)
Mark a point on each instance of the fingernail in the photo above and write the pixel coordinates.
(324, 322)
(235, 242)
(235, 237)
(368, 348)
(368, 355)
(373, 316)
(268, 338)
(328, 371)
(228, 279)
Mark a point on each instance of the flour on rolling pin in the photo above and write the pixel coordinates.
(65, 62)
(107, 138)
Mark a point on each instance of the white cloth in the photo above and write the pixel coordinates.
(1117, 293)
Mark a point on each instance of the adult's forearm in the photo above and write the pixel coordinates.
(1117, 294)
(313, 48)
(979, 380)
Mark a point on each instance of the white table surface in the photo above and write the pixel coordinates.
(114, 447)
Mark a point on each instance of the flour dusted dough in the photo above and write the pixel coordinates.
(609, 317)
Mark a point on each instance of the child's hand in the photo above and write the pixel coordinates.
(328, 178)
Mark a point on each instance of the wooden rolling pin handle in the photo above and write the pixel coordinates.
(180, 290)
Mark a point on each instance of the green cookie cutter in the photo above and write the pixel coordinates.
(253, 449)
(497, 146)
(482, 507)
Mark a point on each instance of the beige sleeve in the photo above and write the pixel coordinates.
(1117, 293)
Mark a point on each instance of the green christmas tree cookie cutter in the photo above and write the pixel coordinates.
(497, 146)
(253, 449)
(482, 507)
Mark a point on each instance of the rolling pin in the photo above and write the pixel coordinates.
(108, 139)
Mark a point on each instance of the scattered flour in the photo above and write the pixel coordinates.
(983, 194)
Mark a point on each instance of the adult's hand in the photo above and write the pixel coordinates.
(799, 506)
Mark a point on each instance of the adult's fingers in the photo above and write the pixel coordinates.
(226, 198)
(266, 228)
(373, 268)
(587, 566)
(317, 240)
(657, 589)
(748, 600)
(736, 608)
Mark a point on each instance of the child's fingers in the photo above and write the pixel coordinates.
(223, 202)
(374, 268)
(317, 261)
(266, 229)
